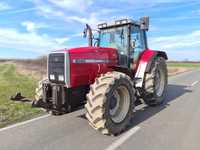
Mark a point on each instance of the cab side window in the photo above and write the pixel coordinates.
(137, 36)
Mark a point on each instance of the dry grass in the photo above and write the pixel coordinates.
(177, 70)
(180, 67)
(36, 68)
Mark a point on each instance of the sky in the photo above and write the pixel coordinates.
(31, 28)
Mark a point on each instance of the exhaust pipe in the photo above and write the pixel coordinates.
(88, 30)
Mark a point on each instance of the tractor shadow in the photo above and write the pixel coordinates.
(146, 112)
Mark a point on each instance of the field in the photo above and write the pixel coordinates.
(184, 64)
(10, 83)
(179, 67)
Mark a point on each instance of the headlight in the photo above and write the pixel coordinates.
(60, 78)
(52, 77)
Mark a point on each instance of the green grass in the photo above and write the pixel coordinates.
(185, 65)
(10, 83)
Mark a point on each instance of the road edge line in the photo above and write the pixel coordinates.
(23, 123)
(194, 83)
(123, 139)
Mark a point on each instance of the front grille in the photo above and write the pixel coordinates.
(56, 67)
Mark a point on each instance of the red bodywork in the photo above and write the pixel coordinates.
(84, 73)
(146, 55)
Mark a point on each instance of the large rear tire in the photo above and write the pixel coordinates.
(155, 83)
(110, 103)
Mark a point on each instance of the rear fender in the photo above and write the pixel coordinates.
(156, 55)
(145, 63)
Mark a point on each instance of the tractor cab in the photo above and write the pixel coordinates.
(127, 36)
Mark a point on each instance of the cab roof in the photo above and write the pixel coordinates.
(117, 23)
(143, 23)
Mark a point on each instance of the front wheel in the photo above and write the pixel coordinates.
(155, 83)
(110, 103)
(38, 90)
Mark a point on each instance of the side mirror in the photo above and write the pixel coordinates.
(132, 44)
(144, 23)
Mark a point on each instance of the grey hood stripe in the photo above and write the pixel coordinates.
(77, 61)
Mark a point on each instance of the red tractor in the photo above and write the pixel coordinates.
(108, 77)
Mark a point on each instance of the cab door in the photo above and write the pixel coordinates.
(138, 45)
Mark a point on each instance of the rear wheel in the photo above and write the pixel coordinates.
(155, 83)
(110, 103)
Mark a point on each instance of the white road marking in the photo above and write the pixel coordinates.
(194, 83)
(122, 139)
(23, 123)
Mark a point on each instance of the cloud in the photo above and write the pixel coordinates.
(92, 19)
(176, 41)
(62, 40)
(73, 11)
(178, 47)
(13, 39)
(48, 10)
(156, 1)
(20, 10)
(30, 26)
(196, 12)
(4, 6)
(73, 5)
(33, 27)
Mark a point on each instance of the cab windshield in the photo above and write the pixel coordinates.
(115, 38)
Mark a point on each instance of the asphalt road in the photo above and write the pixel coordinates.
(173, 126)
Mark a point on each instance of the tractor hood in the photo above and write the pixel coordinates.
(82, 65)
(94, 52)
(91, 52)
(86, 63)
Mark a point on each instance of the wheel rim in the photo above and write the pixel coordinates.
(119, 109)
(159, 82)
